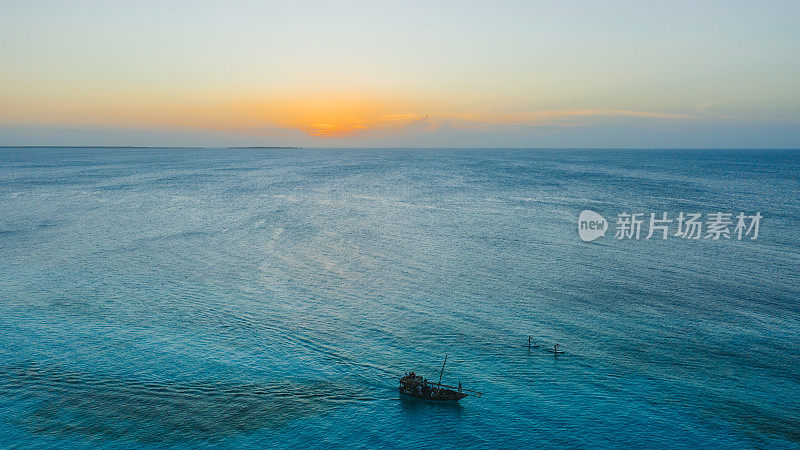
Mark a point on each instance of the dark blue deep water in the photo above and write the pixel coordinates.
(262, 297)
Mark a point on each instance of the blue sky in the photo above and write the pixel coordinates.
(388, 74)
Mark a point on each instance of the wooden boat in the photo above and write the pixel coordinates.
(416, 386)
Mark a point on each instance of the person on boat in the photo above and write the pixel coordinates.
(459, 387)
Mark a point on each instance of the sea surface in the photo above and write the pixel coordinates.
(168, 298)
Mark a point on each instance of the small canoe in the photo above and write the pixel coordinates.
(555, 350)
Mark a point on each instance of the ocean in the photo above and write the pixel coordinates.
(250, 298)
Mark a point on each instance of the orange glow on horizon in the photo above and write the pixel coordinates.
(317, 114)
(325, 116)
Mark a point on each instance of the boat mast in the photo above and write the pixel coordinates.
(442, 372)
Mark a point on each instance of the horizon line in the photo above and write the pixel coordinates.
(281, 147)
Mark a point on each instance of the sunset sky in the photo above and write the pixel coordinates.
(394, 74)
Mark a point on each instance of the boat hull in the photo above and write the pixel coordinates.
(441, 395)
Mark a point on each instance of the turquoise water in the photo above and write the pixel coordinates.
(261, 297)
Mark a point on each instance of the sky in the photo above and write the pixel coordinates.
(704, 74)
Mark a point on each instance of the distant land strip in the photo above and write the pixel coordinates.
(139, 146)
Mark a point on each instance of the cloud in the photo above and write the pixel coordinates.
(410, 127)
(418, 125)
(745, 111)
(399, 126)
